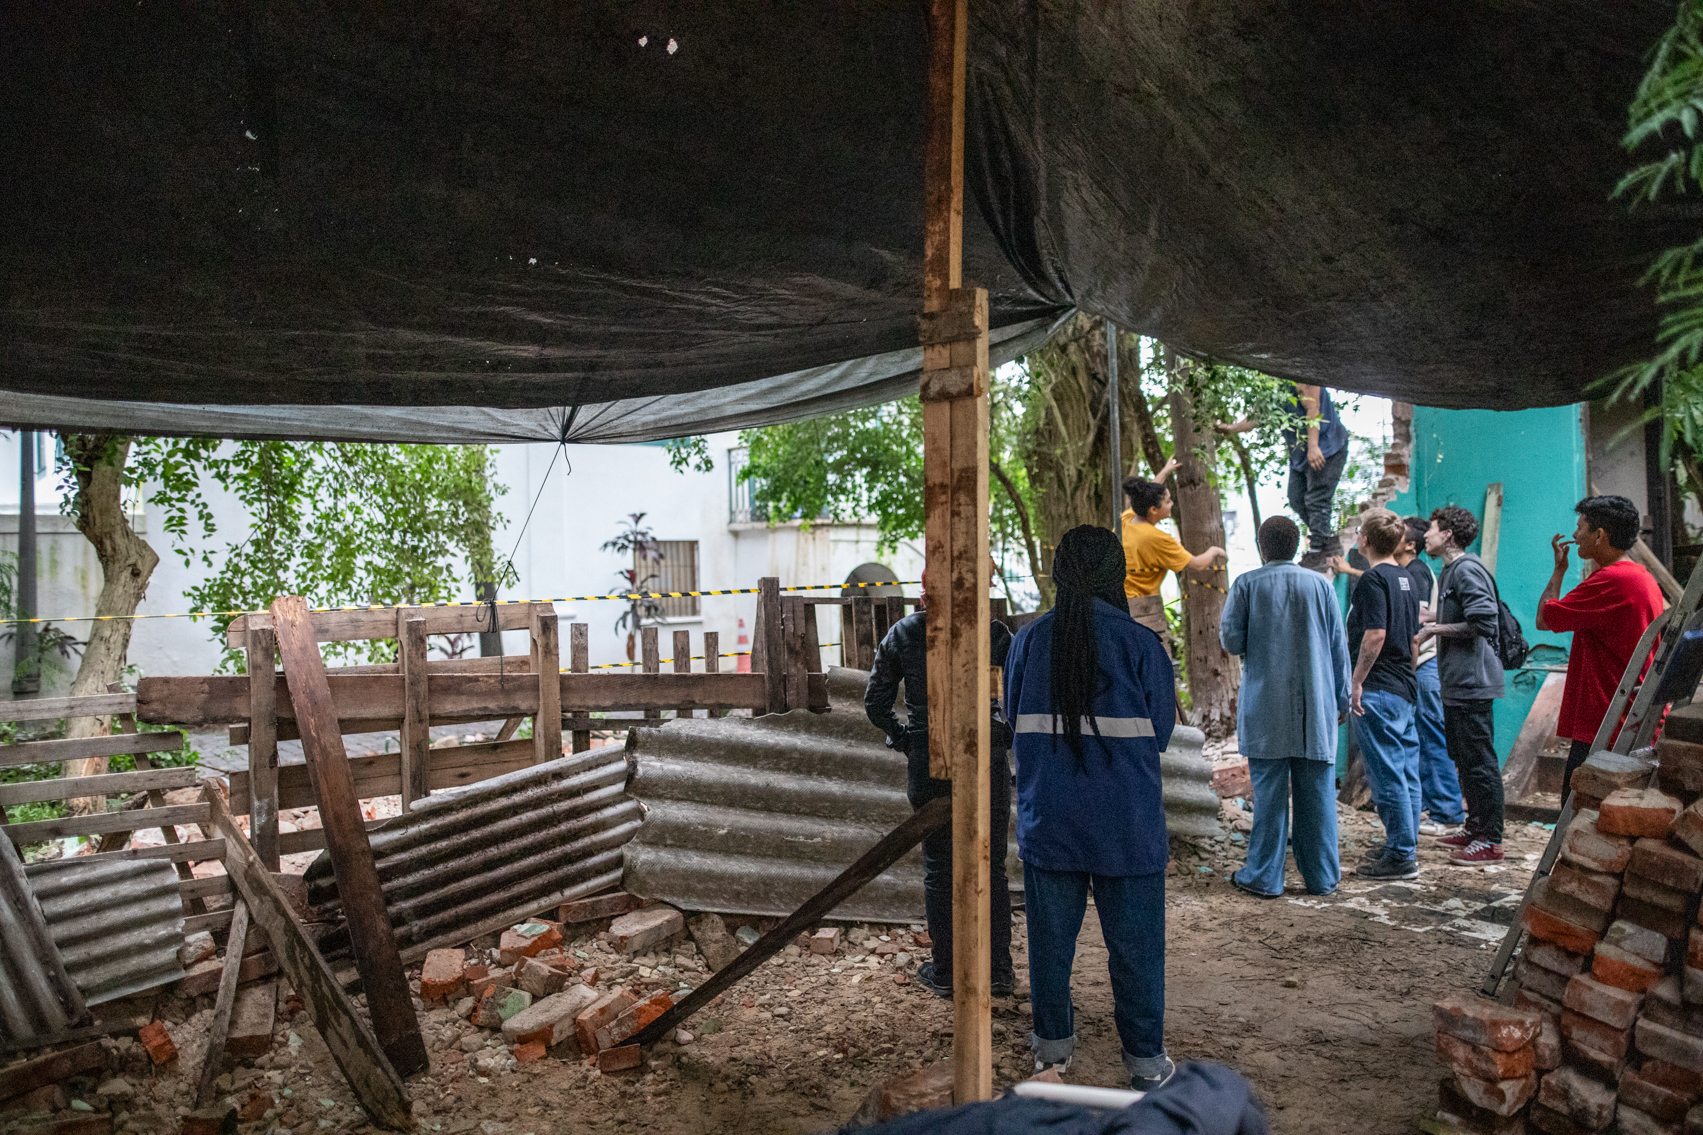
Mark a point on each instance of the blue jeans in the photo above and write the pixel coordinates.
(1439, 784)
(1313, 784)
(1132, 921)
(1389, 744)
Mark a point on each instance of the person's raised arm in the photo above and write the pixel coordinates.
(1241, 427)
(1552, 589)
(1341, 566)
(883, 690)
(1309, 397)
(1207, 559)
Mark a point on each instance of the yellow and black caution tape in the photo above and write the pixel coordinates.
(670, 661)
(626, 596)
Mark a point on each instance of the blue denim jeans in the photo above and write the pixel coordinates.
(1312, 785)
(1389, 744)
(1439, 784)
(1132, 921)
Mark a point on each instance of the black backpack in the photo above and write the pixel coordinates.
(1511, 646)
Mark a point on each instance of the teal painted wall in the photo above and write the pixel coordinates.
(1539, 456)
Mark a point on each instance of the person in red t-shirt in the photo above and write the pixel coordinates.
(1607, 614)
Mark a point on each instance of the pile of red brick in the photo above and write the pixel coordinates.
(1605, 1025)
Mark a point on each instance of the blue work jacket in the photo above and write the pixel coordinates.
(1106, 817)
(1284, 622)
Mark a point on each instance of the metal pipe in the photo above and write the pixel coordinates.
(26, 666)
(1114, 402)
(1078, 1095)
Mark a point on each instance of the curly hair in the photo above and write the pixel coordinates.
(1278, 539)
(1461, 525)
(1144, 495)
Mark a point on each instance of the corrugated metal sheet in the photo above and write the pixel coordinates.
(516, 843)
(37, 996)
(753, 816)
(118, 923)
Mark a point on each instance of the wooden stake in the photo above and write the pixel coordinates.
(650, 657)
(386, 986)
(770, 646)
(579, 661)
(220, 1028)
(955, 473)
(547, 664)
(377, 1087)
(682, 662)
(263, 743)
(416, 710)
(712, 663)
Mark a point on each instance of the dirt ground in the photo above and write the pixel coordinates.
(1323, 1003)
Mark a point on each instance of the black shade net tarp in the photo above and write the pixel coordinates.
(457, 221)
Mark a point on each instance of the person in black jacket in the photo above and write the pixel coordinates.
(903, 657)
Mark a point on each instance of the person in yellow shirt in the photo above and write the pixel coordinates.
(1150, 552)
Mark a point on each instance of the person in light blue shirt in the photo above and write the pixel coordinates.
(1284, 622)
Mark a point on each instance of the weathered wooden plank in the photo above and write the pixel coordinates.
(484, 664)
(125, 820)
(373, 702)
(792, 624)
(770, 646)
(50, 1068)
(101, 784)
(352, 1044)
(263, 743)
(712, 662)
(650, 660)
(52, 709)
(547, 664)
(579, 661)
(380, 622)
(220, 1026)
(193, 851)
(79, 748)
(375, 949)
(416, 711)
(210, 887)
(212, 920)
(60, 1005)
(380, 773)
(682, 662)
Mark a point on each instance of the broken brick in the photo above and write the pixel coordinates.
(1605, 772)
(1457, 1115)
(221, 1119)
(1534, 1003)
(255, 1107)
(825, 940)
(252, 1018)
(528, 1052)
(1647, 890)
(202, 978)
(1546, 896)
(623, 1059)
(598, 1014)
(928, 1088)
(1675, 1079)
(1546, 1049)
(597, 908)
(1593, 889)
(1638, 940)
(1549, 956)
(158, 1042)
(1662, 862)
(1668, 923)
(1670, 1045)
(1488, 1024)
(1638, 812)
(1588, 848)
(1679, 766)
(1688, 829)
(1613, 966)
(442, 975)
(1484, 1063)
(641, 930)
(633, 1020)
(1553, 928)
(497, 1003)
(1590, 1041)
(528, 939)
(1233, 780)
(1581, 1098)
(1665, 1004)
(1617, 1008)
(715, 942)
(1499, 1097)
(539, 978)
(1656, 1099)
(551, 1020)
(1631, 1121)
(1539, 980)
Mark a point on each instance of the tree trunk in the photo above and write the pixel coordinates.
(126, 562)
(1213, 673)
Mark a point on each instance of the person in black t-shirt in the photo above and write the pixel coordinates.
(1383, 617)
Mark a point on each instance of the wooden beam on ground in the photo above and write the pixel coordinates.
(891, 848)
(50, 1068)
(955, 497)
(547, 664)
(263, 743)
(377, 1087)
(388, 997)
(416, 711)
(219, 1028)
(579, 662)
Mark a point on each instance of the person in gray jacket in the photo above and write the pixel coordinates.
(1463, 621)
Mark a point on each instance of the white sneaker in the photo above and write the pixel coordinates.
(1433, 828)
(1059, 1066)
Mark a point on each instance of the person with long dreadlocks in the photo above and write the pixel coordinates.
(1091, 698)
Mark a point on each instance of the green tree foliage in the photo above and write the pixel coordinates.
(1665, 119)
(335, 523)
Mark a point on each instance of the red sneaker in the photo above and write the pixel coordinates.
(1477, 853)
(1459, 839)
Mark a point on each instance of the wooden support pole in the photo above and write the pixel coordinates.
(220, 1029)
(712, 663)
(863, 632)
(377, 1087)
(388, 997)
(770, 648)
(416, 710)
(650, 656)
(547, 664)
(792, 628)
(683, 662)
(954, 331)
(579, 661)
(891, 848)
(263, 743)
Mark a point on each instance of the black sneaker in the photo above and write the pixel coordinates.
(1154, 1083)
(929, 980)
(1002, 986)
(1317, 561)
(1389, 867)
